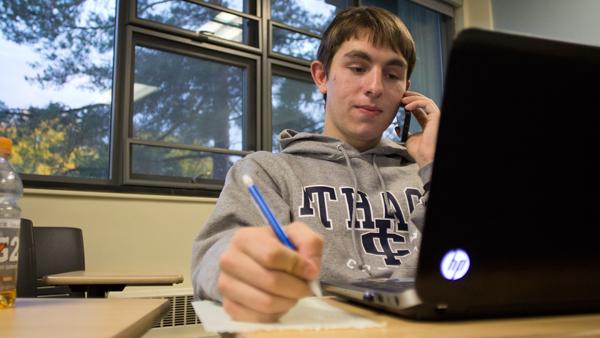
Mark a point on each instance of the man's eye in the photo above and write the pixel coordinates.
(393, 76)
(356, 69)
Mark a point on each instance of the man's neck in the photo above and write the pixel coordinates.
(361, 146)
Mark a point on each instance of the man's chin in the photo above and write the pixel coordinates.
(367, 138)
(367, 132)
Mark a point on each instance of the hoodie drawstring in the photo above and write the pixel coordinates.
(361, 264)
(387, 273)
(386, 198)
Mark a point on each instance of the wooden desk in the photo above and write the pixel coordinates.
(80, 317)
(96, 285)
(586, 325)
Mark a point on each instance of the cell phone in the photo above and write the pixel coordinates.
(403, 122)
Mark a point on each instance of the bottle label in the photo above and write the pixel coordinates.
(9, 253)
(10, 223)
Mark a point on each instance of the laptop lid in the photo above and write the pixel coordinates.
(514, 180)
(511, 218)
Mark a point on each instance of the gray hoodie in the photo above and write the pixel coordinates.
(324, 183)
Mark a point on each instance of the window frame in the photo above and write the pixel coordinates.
(190, 48)
(134, 20)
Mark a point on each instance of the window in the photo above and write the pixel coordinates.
(297, 25)
(55, 93)
(165, 95)
(191, 113)
(296, 103)
(201, 20)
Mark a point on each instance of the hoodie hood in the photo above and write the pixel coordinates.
(325, 147)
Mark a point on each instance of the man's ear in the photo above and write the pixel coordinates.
(317, 70)
(407, 84)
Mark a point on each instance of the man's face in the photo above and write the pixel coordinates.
(364, 87)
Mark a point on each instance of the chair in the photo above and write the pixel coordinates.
(57, 250)
(26, 273)
(46, 251)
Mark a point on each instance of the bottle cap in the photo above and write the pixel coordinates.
(5, 146)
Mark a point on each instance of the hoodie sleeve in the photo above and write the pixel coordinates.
(234, 209)
(418, 215)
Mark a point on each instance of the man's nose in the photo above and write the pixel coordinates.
(374, 83)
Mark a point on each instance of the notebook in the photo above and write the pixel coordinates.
(513, 213)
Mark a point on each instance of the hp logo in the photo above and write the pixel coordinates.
(455, 264)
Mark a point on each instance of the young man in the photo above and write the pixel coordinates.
(351, 201)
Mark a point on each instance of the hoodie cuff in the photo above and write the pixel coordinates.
(206, 275)
(425, 174)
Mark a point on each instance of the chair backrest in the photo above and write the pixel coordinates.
(58, 249)
(26, 273)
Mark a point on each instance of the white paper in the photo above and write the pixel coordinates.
(308, 314)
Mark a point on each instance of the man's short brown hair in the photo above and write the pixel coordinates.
(382, 28)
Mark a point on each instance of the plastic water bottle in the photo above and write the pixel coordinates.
(11, 189)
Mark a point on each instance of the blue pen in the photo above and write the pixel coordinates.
(266, 212)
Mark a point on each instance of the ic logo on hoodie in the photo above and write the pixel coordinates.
(383, 237)
(382, 233)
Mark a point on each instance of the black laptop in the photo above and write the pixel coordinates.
(513, 219)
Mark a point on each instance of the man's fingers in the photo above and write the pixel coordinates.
(421, 115)
(252, 298)
(422, 107)
(271, 254)
(294, 265)
(310, 249)
(242, 267)
(414, 139)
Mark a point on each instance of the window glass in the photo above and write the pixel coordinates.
(174, 164)
(295, 44)
(296, 105)
(186, 100)
(56, 61)
(196, 18)
(309, 15)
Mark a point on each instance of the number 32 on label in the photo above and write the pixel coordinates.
(9, 249)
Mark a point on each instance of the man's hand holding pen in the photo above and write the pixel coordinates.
(261, 278)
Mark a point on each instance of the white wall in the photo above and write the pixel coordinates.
(473, 14)
(125, 232)
(573, 20)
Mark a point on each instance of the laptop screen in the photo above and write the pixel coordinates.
(515, 176)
